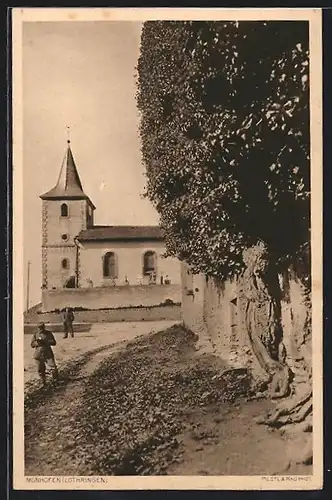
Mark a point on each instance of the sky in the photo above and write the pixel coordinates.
(81, 75)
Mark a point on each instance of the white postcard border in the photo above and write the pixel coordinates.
(22, 482)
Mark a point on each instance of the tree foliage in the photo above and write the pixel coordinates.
(225, 137)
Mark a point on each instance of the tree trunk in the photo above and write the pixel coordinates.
(262, 293)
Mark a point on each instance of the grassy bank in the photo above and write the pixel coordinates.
(134, 405)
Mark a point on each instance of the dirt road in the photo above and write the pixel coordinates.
(101, 334)
(157, 377)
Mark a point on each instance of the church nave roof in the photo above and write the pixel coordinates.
(120, 233)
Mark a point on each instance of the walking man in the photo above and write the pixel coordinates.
(42, 341)
(68, 318)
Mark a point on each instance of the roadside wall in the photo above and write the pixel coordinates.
(110, 297)
(117, 315)
(216, 313)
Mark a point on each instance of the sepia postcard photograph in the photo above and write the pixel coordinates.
(167, 249)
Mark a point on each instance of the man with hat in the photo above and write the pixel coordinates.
(42, 341)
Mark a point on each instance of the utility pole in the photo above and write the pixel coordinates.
(76, 261)
(28, 286)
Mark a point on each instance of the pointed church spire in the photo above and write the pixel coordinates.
(69, 184)
(69, 181)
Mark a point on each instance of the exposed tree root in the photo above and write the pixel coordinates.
(296, 411)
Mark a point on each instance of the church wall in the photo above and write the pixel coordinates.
(110, 297)
(55, 248)
(56, 276)
(71, 225)
(130, 262)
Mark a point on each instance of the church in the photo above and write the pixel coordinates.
(77, 254)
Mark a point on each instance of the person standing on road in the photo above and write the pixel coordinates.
(42, 341)
(68, 318)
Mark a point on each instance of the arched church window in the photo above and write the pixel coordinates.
(149, 263)
(110, 265)
(65, 264)
(64, 210)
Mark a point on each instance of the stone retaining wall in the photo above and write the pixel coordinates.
(168, 313)
(216, 313)
(110, 297)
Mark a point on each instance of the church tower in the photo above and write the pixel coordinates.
(66, 210)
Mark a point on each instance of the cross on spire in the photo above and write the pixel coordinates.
(68, 134)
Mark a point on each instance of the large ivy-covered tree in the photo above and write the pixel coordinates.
(224, 128)
(225, 141)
